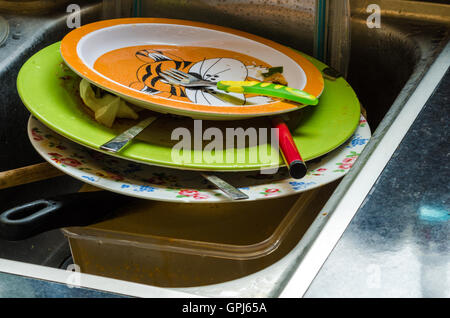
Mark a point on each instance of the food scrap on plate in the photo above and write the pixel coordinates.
(106, 107)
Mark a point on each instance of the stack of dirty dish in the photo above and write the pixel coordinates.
(120, 63)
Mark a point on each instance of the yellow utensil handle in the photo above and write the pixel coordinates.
(268, 89)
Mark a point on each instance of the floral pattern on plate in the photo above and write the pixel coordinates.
(164, 184)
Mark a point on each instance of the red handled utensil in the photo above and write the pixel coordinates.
(289, 151)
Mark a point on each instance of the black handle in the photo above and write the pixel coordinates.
(74, 209)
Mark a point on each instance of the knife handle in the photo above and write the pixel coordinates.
(119, 142)
(268, 89)
(289, 151)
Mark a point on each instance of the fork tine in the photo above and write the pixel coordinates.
(180, 73)
(167, 78)
(176, 75)
(172, 75)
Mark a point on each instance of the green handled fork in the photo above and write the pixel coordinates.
(176, 77)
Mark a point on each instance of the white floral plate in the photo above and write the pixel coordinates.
(163, 184)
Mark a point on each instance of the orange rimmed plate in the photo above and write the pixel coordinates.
(125, 57)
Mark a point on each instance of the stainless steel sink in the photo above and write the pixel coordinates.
(386, 65)
(27, 35)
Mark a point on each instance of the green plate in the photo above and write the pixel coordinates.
(50, 91)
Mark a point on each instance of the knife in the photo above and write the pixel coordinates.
(119, 142)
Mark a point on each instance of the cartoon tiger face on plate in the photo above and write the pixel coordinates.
(217, 69)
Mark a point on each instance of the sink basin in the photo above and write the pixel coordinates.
(26, 36)
(385, 68)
